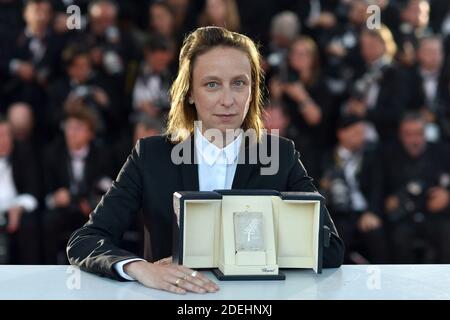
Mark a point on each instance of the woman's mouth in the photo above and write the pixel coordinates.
(225, 117)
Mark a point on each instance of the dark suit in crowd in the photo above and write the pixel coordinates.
(60, 222)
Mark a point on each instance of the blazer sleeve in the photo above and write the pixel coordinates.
(298, 180)
(95, 246)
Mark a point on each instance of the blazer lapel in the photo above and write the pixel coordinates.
(242, 175)
(245, 167)
(189, 171)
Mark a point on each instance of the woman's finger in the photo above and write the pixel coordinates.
(182, 274)
(189, 286)
(172, 288)
(195, 280)
(208, 283)
(164, 261)
(182, 282)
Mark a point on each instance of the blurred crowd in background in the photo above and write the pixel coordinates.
(368, 109)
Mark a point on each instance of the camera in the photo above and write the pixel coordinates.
(279, 66)
(412, 201)
(362, 85)
(336, 191)
(86, 93)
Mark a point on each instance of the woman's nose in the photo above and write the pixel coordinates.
(227, 98)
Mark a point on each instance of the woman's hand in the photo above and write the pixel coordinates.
(438, 199)
(25, 71)
(369, 221)
(61, 198)
(14, 217)
(101, 97)
(296, 91)
(169, 277)
(391, 203)
(311, 113)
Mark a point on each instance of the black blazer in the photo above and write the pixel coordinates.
(390, 103)
(25, 170)
(417, 96)
(57, 168)
(148, 180)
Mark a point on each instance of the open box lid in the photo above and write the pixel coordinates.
(297, 223)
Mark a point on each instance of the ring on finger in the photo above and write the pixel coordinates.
(194, 274)
(178, 282)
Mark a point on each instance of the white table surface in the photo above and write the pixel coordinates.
(348, 282)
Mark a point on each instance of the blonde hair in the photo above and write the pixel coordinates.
(182, 115)
(385, 36)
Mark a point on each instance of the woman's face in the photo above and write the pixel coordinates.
(301, 57)
(217, 11)
(161, 19)
(221, 88)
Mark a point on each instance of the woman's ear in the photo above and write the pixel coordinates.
(191, 101)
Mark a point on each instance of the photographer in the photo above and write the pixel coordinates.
(84, 84)
(414, 18)
(34, 60)
(150, 93)
(307, 100)
(430, 88)
(417, 184)
(77, 175)
(377, 93)
(113, 51)
(352, 186)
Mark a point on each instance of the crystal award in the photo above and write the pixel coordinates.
(249, 232)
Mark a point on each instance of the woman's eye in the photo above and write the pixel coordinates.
(211, 84)
(239, 83)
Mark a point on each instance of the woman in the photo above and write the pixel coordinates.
(308, 101)
(218, 84)
(379, 93)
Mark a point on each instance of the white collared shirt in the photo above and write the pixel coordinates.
(216, 166)
(430, 85)
(216, 169)
(9, 197)
(351, 163)
(78, 162)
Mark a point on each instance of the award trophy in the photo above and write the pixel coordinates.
(248, 231)
(248, 234)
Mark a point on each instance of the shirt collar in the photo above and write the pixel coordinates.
(380, 63)
(29, 34)
(343, 153)
(346, 154)
(211, 153)
(79, 154)
(429, 74)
